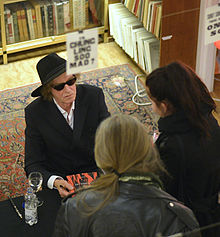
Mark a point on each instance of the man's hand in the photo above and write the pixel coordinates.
(63, 187)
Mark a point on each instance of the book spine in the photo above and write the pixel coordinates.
(33, 13)
(30, 22)
(12, 28)
(153, 18)
(0, 37)
(60, 17)
(75, 14)
(55, 23)
(46, 21)
(142, 10)
(20, 27)
(133, 5)
(136, 7)
(145, 13)
(66, 15)
(24, 24)
(87, 11)
(158, 21)
(43, 20)
(139, 10)
(15, 23)
(93, 11)
(38, 18)
(6, 26)
(9, 26)
(50, 19)
(79, 20)
(149, 15)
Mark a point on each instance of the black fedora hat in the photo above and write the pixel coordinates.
(49, 68)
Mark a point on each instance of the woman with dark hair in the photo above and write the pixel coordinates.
(189, 140)
(127, 200)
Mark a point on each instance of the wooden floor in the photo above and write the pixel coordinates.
(23, 72)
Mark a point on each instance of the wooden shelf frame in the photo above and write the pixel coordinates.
(12, 1)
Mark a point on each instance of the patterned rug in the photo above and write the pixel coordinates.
(118, 86)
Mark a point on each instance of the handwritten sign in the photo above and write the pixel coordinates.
(82, 53)
(212, 23)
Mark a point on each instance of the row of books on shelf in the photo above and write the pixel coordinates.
(32, 19)
(133, 37)
(0, 38)
(86, 12)
(149, 12)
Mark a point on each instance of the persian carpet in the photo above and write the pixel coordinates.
(118, 85)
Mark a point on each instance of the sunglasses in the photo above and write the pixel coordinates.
(59, 87)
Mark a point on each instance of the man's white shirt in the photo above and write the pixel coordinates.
(70, 119)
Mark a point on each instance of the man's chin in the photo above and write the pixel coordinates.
(69, 99)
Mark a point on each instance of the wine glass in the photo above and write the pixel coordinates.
(35, 180)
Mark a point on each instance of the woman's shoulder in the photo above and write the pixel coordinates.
(164, 205)
(140, 200)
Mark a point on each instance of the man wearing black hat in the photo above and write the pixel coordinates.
(61, 125)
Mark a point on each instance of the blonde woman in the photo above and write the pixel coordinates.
(127, 200)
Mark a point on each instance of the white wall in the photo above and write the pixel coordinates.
(206, 54)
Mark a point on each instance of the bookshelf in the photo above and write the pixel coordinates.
(178, 35)
(47, 22)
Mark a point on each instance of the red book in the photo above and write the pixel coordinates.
(136, 7)
(9, 24)
(154, 13)
(80, 180)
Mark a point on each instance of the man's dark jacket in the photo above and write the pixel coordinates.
(139, 211)
(51, 146)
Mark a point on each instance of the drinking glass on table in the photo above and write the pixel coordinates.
(35, 180)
